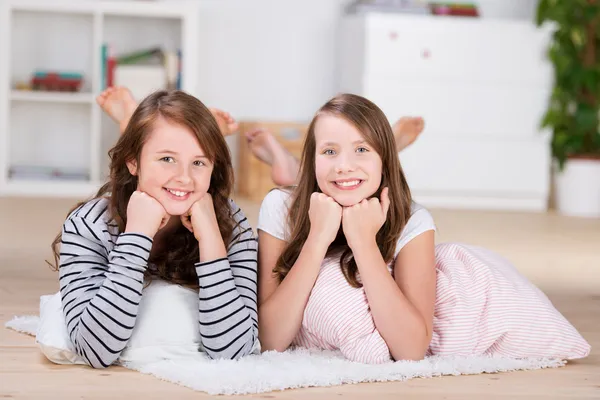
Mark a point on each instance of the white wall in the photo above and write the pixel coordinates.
(269, 59)
(274, 59)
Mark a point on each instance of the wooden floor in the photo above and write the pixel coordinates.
(561, 255)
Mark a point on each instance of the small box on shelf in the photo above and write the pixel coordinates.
(56, 81)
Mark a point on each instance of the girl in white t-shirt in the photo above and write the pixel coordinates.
(347, 262)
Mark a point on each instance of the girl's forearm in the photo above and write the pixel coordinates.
(211, 245)
(397, 320)
(212, 249)
(280, 316)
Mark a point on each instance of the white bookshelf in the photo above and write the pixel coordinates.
(50, 97)
(67, 130)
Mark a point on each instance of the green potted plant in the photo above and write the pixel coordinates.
(573, 114)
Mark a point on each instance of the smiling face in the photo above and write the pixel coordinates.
(334, 152)
(173, 167)
(347, 168)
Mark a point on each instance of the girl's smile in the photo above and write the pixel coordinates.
(348, 184)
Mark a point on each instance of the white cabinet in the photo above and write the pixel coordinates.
(482, 87)
(66, 131)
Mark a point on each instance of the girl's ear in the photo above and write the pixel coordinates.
(132, 167)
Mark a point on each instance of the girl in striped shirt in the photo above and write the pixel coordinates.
(348, 262)
(164, 213)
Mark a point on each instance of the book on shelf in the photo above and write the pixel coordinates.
(178, 82)
(140, 56)
(108, 65)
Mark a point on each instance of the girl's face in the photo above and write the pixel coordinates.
(347, 168)
(173, 167)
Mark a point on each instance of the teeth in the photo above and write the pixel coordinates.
(349, 183)
(177, 193)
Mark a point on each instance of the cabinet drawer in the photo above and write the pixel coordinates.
(477, 168)
(456, 49)
(463, 109)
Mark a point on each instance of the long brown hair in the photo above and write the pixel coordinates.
(376, 130)
(176, 262)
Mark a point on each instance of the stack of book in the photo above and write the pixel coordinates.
(414, 7)
(399, 6)
(455, 9)
(141, 71)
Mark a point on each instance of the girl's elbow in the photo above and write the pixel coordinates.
(99, 366)
(231, 352)
(278, 348)
(271, 345)
(97, 361)
(416, 353)
(223, 355)
(409, 357)
(103, 363)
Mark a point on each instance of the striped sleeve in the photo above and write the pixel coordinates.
(228, 296)
(100, 289)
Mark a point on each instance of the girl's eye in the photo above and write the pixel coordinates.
(198, 163)
(167, 159)
(362, 150)
(329, 152)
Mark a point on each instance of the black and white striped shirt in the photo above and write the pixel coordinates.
(102, 275)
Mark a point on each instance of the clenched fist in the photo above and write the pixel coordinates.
(325, 216)
(362, 221)
(145, 214)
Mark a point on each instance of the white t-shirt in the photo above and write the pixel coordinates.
(272, 219)
(337, 315)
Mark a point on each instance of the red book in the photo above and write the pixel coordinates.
(111, 63)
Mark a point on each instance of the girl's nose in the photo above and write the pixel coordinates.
(183, 175)
(345, 164)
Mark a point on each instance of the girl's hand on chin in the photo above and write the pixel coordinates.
(201, 219)
(362, 221)
(325, 216)
(145, 214)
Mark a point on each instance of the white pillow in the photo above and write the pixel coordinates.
(167, 324)
(166, 327)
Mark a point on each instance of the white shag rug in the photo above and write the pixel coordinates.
(299, 368)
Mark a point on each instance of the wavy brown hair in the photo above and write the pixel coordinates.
(376, 130)
(175, 262)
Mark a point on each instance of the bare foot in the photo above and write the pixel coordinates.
(118, 103)
(406, 130)
(226, 122)
(264, 146)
